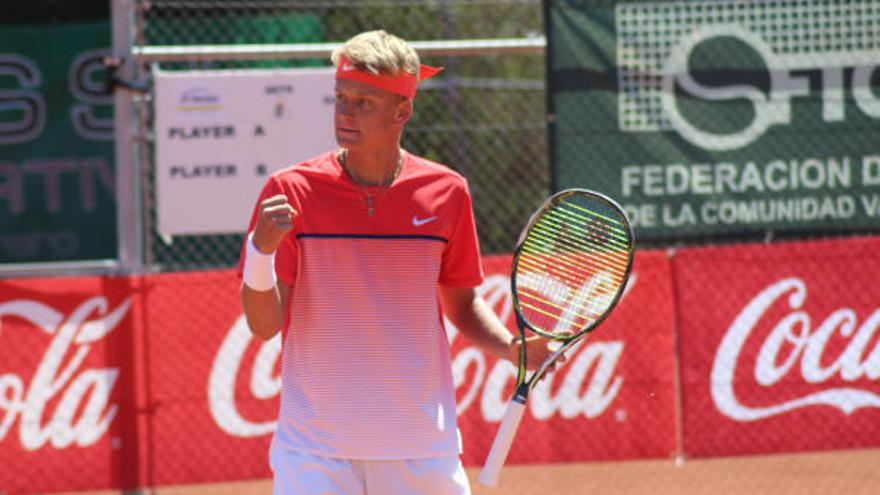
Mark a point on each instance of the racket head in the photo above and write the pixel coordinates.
(571, 264)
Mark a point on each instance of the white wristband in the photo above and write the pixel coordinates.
(259, 268)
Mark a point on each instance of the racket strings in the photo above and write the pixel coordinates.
(614, 261)
(567, 276)
(602, 235)
(556, 318)
(541, 297)
(583, 307)
(536, 259)
(620, 229)
(571, 266)
(542, 268)
(612, 264)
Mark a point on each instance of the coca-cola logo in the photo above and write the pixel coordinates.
(263, 385)
(585, 387)
(84, 412)
(577, 394)
(795, 345)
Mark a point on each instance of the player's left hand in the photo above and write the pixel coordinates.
(537, 351)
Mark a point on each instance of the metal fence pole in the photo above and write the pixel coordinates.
(128, 184)
(298, 51)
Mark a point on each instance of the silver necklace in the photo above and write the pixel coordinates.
(369, 200)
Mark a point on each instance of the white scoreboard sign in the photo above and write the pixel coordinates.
(220, 134)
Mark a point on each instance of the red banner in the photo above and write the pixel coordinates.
(779, 346)
(214, 401)
(69, 391)
(156, 380)
(613, 399)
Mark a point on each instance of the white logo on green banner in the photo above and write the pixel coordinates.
(720, 118)
(655, 42)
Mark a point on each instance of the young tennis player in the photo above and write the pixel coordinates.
(352, 254)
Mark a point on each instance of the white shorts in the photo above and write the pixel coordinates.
(307, 474)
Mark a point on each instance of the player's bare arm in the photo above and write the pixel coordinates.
(264, 309)
(478, 323)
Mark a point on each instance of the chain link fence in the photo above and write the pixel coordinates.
(484, 117)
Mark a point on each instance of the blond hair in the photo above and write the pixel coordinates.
(379, 52)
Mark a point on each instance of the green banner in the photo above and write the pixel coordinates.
(56, 145)
(712, 119)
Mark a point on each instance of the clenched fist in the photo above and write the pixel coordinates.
(273, 223)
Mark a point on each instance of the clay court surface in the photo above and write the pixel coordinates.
(839, 473)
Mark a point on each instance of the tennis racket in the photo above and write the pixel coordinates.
(570, 266)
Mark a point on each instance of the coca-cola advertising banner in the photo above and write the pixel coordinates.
(613, 399)
(779, 346)
(71, 384)
(156, 380)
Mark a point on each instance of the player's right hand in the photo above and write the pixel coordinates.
(273, 223)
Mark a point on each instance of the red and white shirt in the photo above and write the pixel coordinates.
(366, 362)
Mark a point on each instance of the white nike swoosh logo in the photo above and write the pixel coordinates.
(347, 67)
(418, 222)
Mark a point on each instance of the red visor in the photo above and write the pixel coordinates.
(404, 84)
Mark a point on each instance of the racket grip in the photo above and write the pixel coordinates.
(503, 440)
